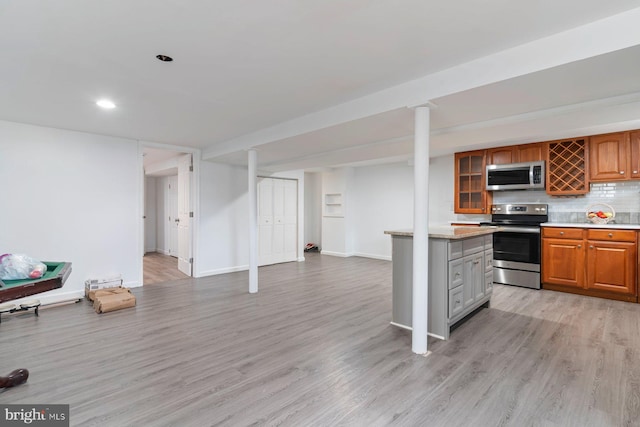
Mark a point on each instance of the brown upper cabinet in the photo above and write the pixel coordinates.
(530, 152)
(615, 156)
(502, 155)
(470, 193)
(570, 165)
(515, 154)
(634, 145)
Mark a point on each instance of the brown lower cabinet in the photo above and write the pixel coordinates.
(588, 261)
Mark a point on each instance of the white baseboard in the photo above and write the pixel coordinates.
(373, 256)
(409, 328)
(398, 325)
(300, 258)
(222, 271)
(51, 299)
(162, 251)
(338, 254)
(131, 284)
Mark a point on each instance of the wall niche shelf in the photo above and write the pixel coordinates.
(333, 205)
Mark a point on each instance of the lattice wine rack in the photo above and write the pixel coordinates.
(567, 168)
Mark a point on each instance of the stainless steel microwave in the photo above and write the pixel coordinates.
(515, 176)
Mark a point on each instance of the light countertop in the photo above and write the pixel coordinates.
(448, 232)
(590, 225)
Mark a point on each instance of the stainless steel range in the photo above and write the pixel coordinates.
(516, 247)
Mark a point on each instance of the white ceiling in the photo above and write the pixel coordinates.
(243, 66)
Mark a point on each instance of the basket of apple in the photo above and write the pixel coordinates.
(600, 213)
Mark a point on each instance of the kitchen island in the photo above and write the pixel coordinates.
(460, 275)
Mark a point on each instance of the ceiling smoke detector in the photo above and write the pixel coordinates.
(164, 58)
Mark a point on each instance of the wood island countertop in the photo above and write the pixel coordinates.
(448, 232)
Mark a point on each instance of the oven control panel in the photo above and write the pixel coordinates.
(523, 209)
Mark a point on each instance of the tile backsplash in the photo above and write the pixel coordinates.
(624, 197)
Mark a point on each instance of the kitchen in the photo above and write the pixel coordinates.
(588, 247)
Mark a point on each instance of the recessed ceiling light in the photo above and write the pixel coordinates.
(164, 58)
(105, 103)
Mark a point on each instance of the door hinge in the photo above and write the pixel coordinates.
(190, 260)
(190, 214)
(190, 168)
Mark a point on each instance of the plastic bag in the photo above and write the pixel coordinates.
(20, 266)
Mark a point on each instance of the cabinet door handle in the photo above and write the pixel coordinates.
(635, 171)
(579, 246)
(590, 246)
(621, 172)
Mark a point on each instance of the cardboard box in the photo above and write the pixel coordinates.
(95, 284)
(91, 296)
(111, 300)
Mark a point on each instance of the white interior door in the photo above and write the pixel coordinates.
(184, 214)
(277, 220)
(290, 220)
(265, 220)
(172, 193)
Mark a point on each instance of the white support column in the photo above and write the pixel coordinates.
(253, 221)
(420, 231)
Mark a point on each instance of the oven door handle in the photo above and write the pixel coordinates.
(512, 229)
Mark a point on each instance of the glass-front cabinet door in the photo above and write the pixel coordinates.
(470, 193)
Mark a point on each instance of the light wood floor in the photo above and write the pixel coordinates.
(315, 348)
(160, 268)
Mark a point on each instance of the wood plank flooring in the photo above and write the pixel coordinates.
(158, 268)
(314, 348)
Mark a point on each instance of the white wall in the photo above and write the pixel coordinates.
(150, 232)
(441, 182)
(72, 196)
(313, 208)
(382, 200)
(224, 207)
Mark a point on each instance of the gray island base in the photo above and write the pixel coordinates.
(460, 275)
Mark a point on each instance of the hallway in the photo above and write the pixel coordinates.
(160, 268)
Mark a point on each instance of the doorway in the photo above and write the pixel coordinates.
(168, 215)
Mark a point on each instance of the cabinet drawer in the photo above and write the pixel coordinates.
(473, 245)
(455, 302)
(456, 268)
(455, 250)
(488, 260)
(488, 283)
(562, 233)
(613, 235)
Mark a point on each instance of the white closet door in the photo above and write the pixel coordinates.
(290, 220)
(265, 220)
(277, 220)
(277, 243)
